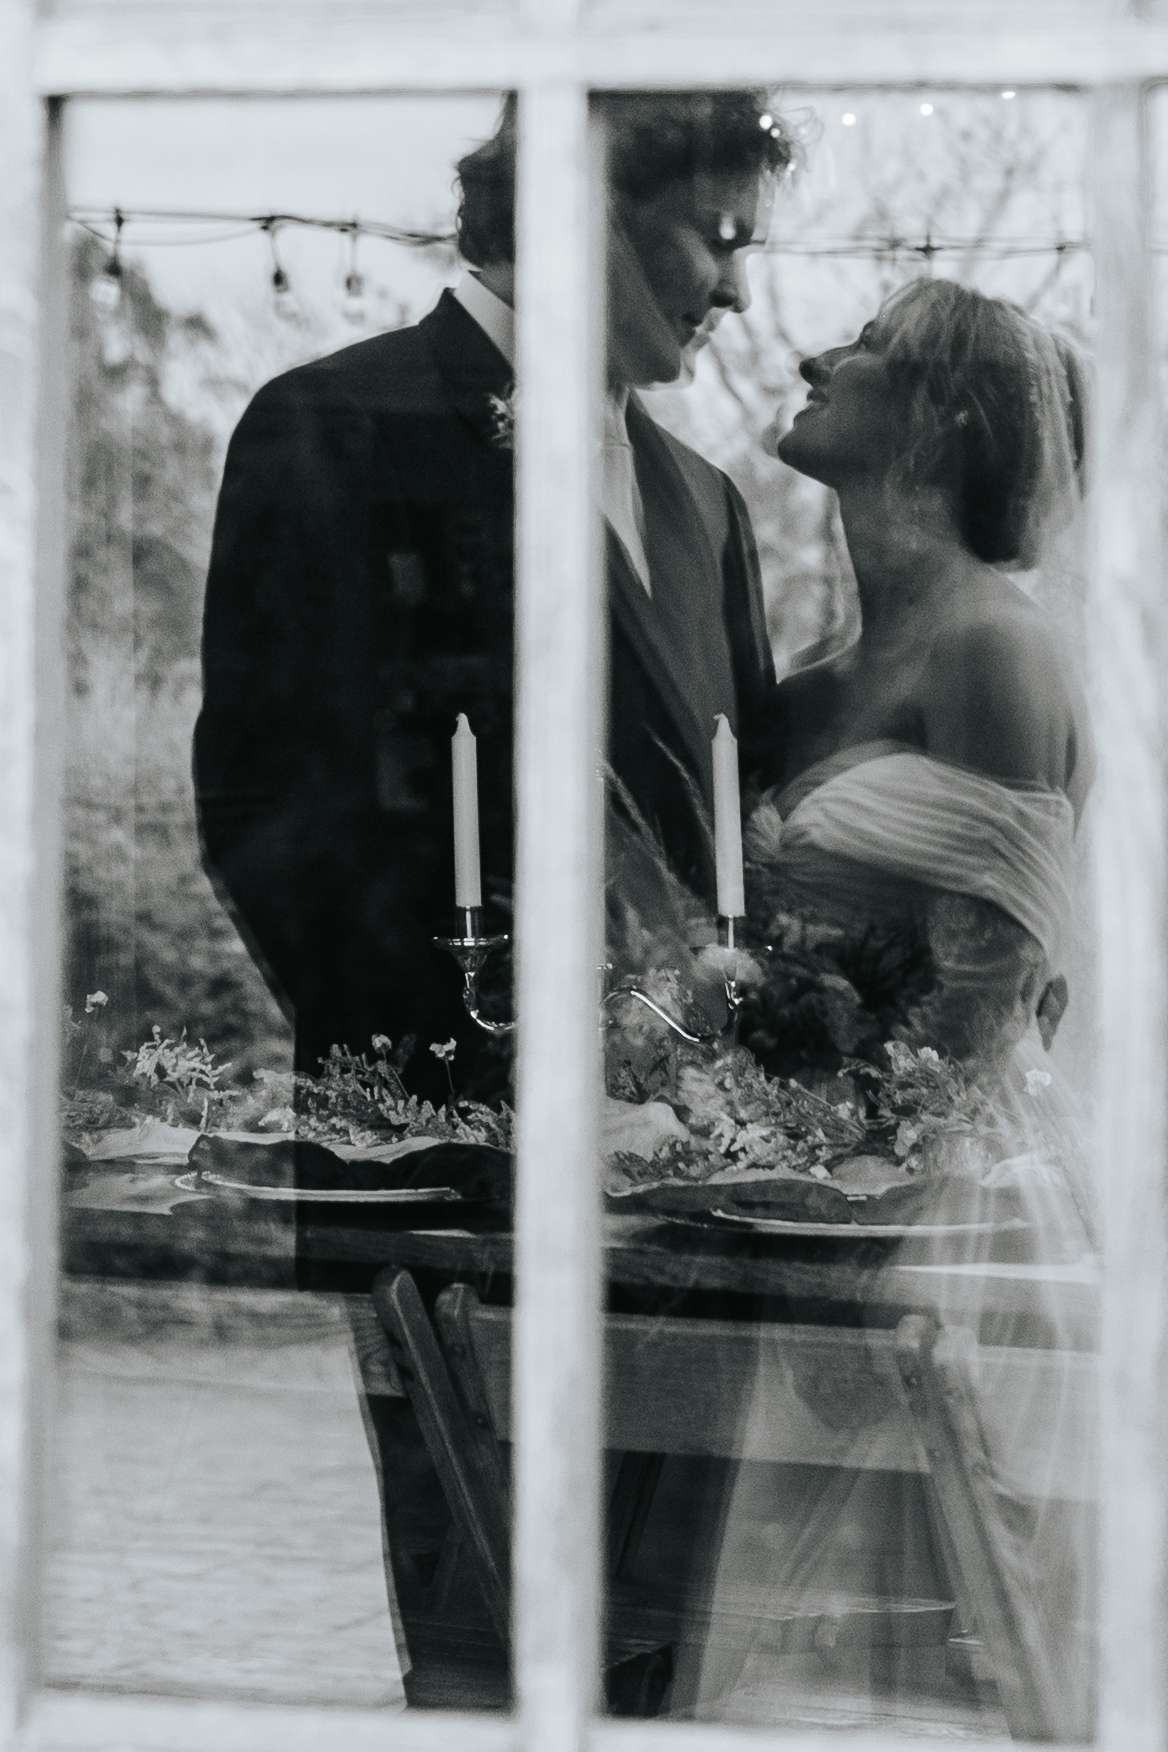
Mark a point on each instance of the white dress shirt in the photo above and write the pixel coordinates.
(496, 319)
(620, 495)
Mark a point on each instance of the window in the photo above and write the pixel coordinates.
(554, 56)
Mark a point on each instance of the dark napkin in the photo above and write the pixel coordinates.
(800, 1201)
(927, 1199)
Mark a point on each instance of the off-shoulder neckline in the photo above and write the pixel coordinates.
(857, 754)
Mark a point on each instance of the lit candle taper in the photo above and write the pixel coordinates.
(468, 883)
(728, 822)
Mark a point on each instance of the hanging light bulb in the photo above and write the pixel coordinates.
(105, 289)
(354, 298)
(116, 343)
(281, 284)
(353, 306)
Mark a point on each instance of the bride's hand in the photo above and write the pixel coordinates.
(717, 964)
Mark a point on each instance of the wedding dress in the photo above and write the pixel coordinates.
(882, 836)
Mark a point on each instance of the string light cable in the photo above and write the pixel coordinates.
(108, 225)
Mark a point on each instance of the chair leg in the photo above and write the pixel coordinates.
(628, 1509)
(636, 1685)
(450, 1438)
(935, 1365)
(452, 1317)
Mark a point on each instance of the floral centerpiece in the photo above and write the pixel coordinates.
(830, 1098)
(170, 1095)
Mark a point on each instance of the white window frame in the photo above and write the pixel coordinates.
(549, 53)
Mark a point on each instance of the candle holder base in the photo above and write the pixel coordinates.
(727, 937)
(727, 933)
(471, 951)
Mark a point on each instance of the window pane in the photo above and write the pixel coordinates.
(851, 1254)
(271, 1079)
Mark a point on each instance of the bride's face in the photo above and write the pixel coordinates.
(851, 426)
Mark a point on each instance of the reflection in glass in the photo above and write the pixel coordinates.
(270, 1077)
(851, 1258)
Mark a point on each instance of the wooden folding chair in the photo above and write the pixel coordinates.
(982, 1512)
(780, 1393)
(465, 1450)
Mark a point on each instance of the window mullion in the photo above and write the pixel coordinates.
(33, 332)
(558, 921)
(1129, 834)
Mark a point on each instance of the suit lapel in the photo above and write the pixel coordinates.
(681, 559)
(633, 610)
(478, 379)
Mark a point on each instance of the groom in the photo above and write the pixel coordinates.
(360, 595)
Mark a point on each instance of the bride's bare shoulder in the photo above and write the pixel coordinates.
(998, 694)
(1003, 640)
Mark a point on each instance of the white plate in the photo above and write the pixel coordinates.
(322, 1195)
(855, 1231)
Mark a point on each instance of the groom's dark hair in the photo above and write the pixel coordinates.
(654, 139)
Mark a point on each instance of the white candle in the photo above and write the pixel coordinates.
(468, 884)
(728, 822)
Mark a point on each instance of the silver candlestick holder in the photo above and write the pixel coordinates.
(471, 951)
(728, 929)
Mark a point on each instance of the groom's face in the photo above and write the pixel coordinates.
(673, 258)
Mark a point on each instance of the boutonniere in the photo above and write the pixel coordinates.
(503, 419)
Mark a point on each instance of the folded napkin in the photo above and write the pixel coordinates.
(150, 1140)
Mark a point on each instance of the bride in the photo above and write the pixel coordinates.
(924, 788)
(933, 773)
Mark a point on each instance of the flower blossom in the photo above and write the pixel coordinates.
(502, 411)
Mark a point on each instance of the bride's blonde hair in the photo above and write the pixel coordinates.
(994, 408)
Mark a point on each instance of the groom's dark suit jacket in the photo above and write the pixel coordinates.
(360, 596)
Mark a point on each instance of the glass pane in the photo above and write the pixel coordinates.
(291, 440)
(851, 1246)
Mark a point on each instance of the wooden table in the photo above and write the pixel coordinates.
(243, 1241)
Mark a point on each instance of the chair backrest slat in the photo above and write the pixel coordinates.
(814, 1395)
